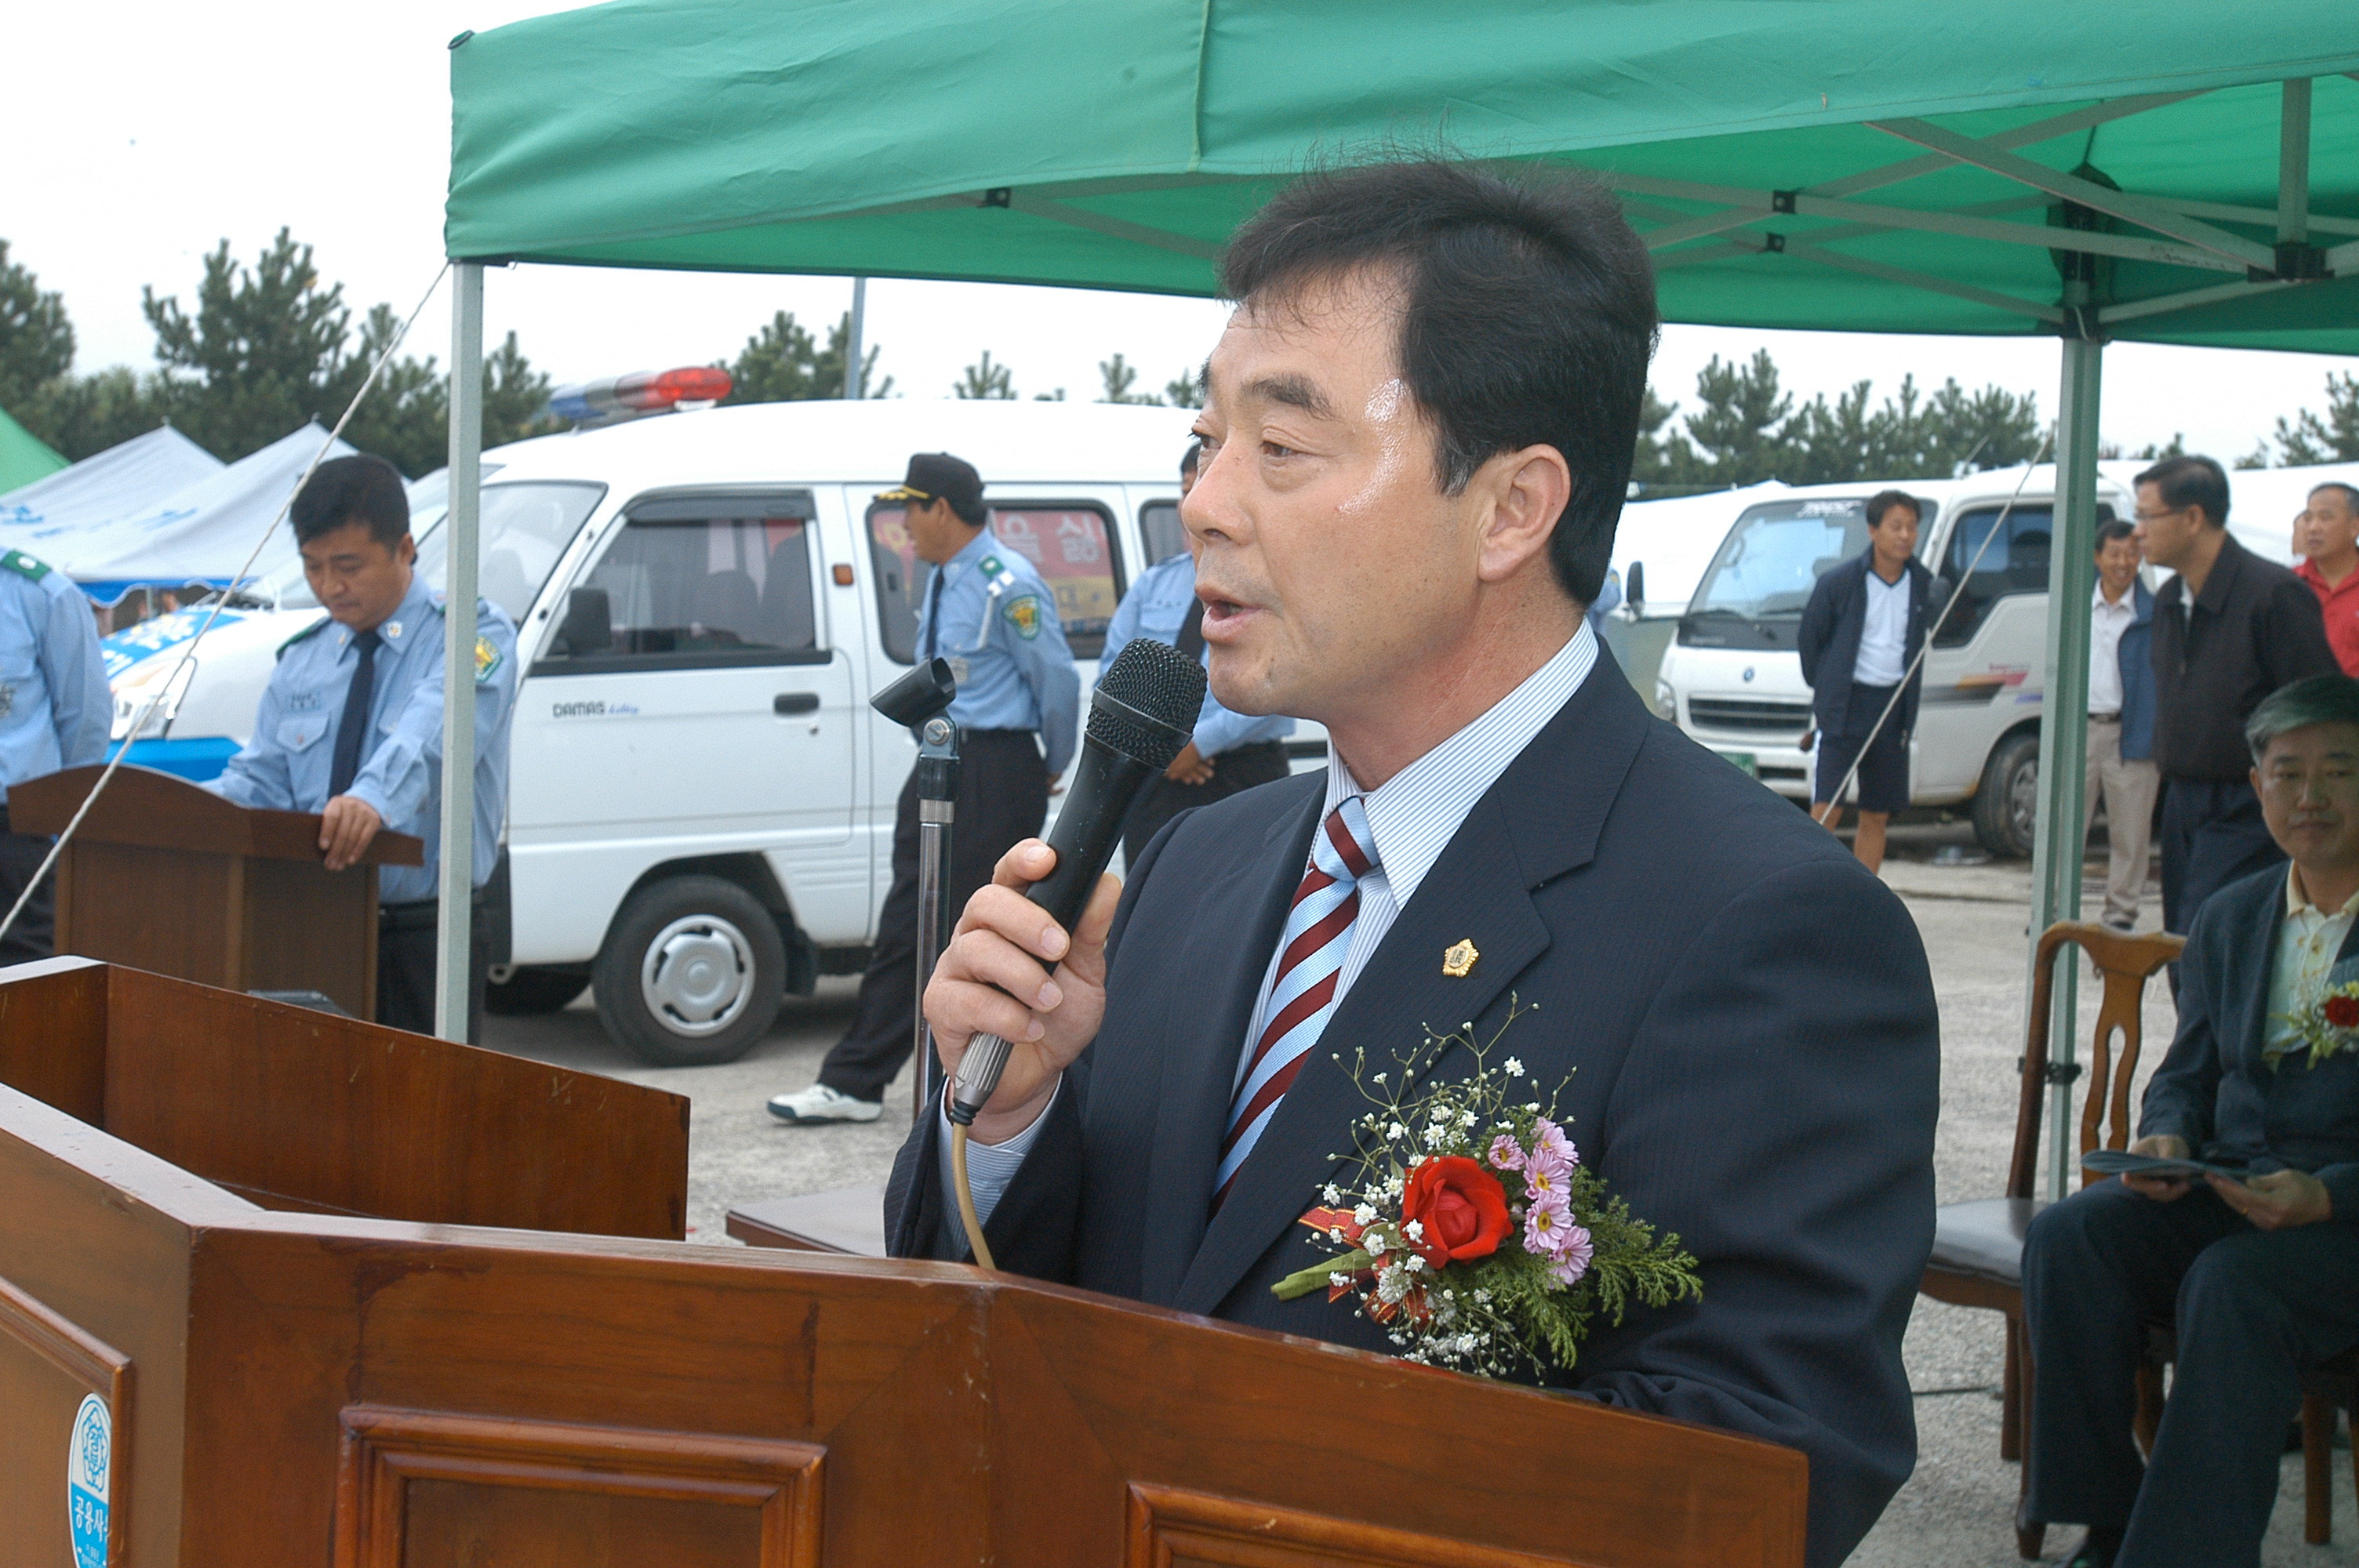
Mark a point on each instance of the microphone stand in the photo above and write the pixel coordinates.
(938, 785)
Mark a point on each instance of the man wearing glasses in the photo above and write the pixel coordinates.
(2228, 629)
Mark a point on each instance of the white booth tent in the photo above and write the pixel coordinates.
(128, 476)
(202, 531)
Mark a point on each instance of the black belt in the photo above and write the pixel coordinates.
(419, 914)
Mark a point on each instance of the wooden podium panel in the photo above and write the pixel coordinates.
(298, 1109)
(317, 1389)
(165, 876)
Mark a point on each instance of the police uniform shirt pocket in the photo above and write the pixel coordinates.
(301, 730)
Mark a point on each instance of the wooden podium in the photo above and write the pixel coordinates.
(506, 1368)
(165, 876)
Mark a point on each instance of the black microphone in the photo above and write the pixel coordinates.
(1141, 716)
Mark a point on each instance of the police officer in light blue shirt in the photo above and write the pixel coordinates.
(1229, 751)
(989, 613)
(351, 725)
(54, 713)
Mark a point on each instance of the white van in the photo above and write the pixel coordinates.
(700, 805)
(1734, 681)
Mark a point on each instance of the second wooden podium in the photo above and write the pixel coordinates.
(167, 877)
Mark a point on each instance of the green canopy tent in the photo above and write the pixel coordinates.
(24, 457)
(2183, 172)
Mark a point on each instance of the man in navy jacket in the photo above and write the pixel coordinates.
(1859, 640)
(1418, 428)
(2121, 720)
(2259, 1277)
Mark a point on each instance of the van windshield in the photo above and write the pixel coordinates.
(1759, 581)
(524, 529)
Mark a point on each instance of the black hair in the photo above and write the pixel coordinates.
(2113, 528)
(2350, 493)
(2316, 699)
(1530, 318)
(1884, 501)
(359, 489)
(2192, 481)
(1193, 456)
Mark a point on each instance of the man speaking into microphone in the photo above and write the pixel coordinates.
(1418, 431)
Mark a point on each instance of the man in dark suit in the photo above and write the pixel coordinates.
(2260, 1278)
(1418, 431)
(1859, 639)
(2228, 629)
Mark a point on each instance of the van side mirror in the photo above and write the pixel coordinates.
(589, 624)
(1634, 587)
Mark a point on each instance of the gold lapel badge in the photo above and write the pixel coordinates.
(1459, 961)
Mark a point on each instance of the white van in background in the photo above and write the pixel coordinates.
(1734, 681)
(701, 800)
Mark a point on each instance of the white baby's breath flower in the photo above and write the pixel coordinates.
(1514, 1065)
(1466, 1118)
(1416, 1264)
(1332, 1193)
(1380, 1078)
(1435, 1134)
(1375, 1242)
(1395, 1131)
(1413, 1231)
(1365, 1215)
(1341, 1281)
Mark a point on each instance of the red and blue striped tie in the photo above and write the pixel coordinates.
(1309, 965)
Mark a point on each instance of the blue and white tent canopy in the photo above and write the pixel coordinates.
(129, 477)
(202, 531)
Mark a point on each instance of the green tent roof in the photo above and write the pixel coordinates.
(24, 457)
(1868, 165)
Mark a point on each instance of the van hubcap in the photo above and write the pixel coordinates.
(2023, 803)
(698, 975)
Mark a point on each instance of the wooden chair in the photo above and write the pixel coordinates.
(1978, 1246)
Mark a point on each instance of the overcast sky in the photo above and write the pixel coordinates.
(159, 130)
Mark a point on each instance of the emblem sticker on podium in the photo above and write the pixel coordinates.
(89, 1457)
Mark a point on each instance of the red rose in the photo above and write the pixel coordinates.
(1462, 1207)
(2343, 1012)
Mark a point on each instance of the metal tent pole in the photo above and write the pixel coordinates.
(851, 339)
(2065, 727)
(454, 924)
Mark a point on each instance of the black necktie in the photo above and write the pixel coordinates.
(353, 728)
(1192, 630)
(933, 611)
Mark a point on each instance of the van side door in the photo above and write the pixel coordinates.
(693, 702)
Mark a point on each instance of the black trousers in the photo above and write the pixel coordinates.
(35, 934)
(2212, 834)
(405, 967)
(1161, 799)
(1003, 799)
(2251, 1309)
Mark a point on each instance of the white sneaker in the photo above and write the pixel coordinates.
(820, 1103)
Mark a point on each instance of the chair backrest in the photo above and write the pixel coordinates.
(2126, 963)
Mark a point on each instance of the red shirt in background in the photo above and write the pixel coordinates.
(2341, 605)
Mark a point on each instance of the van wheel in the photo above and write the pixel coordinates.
(528, 991)
(692, 973)
(2007, 802)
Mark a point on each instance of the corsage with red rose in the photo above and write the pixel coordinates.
(2328, 1024)
(1469, 1228)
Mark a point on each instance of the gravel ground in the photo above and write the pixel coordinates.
(1955, 1512)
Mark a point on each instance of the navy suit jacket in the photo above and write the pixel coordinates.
(1740, 1015)
(2213, 1088)
(1828, 640)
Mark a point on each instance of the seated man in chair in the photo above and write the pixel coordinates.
(2259, 1278)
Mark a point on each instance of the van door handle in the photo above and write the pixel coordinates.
(787, 703)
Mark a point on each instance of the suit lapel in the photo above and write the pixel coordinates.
(1541, 819)
(1200, 1064)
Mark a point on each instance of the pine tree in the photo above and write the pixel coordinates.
(985, 380)
(2333, 438)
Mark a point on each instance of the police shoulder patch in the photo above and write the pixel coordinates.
(24, 566)
(1024, 615)
(313, 630)
(487, 659)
